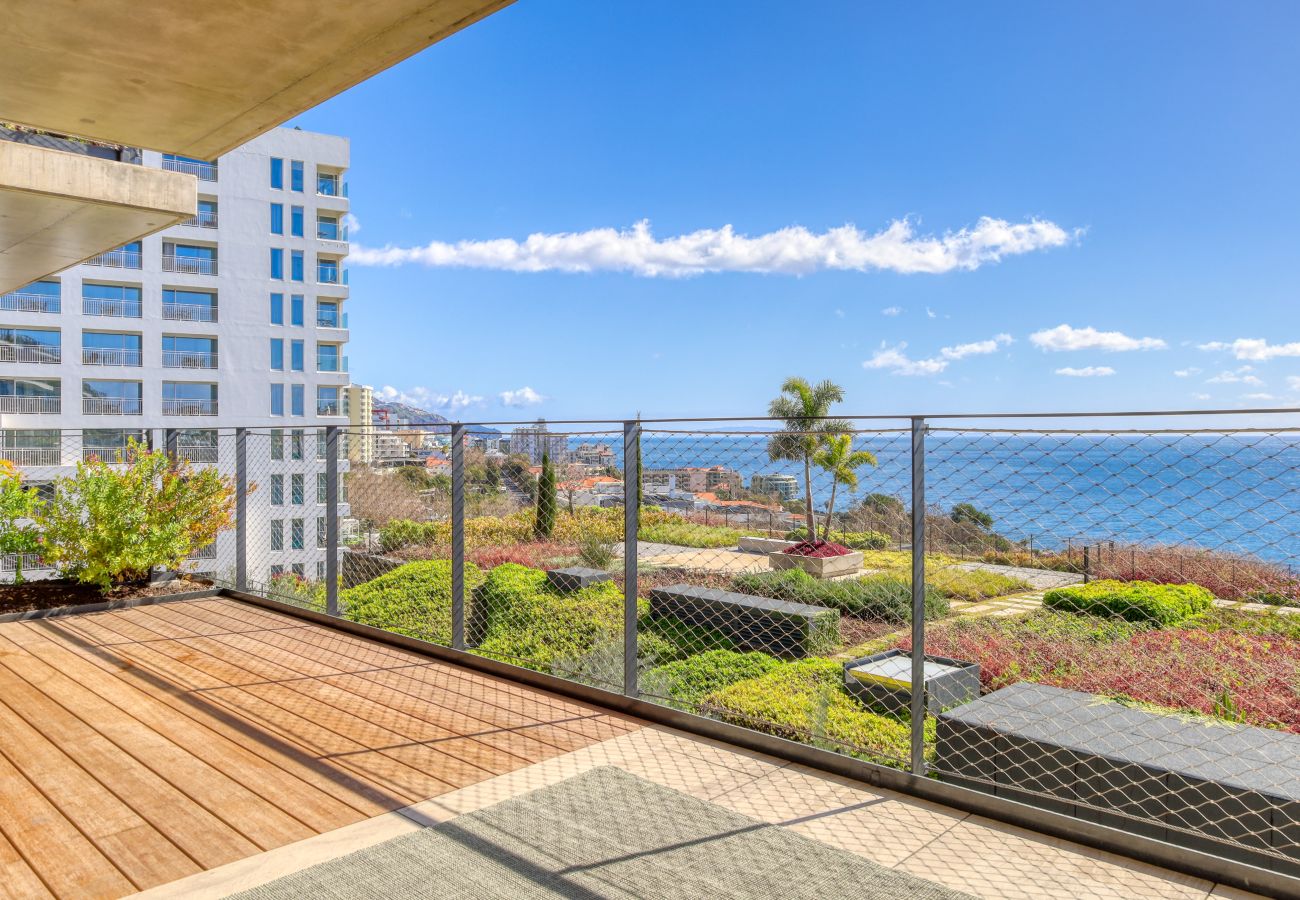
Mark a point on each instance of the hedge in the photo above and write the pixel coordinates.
(884, 597)
(690, 680)
(1133, 601)
(414, 599)
(854, 540)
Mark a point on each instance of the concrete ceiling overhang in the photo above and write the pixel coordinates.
(199, 79)
(58, 209)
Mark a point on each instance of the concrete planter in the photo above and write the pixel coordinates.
(818, 567)
(764, 545)
(884, 680)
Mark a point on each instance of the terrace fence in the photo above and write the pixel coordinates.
(1109, 607)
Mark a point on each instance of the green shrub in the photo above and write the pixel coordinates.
(18, 506)
(414, 599)
(806, 701)
(972, 584)
(885, 597)
(596, 553)
(854, 540)
(1133, 601)
(688, 534)
(667, 638)
(690, 680)
(399, 533)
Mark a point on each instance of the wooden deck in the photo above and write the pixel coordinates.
(140, 746)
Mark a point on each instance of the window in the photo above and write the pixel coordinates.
(206, 215)
(327, 314)
(277, 570)
(277, 218)
(181, 351)
(297, 404)
(296, 269)
(277, 443)
(295, 311)
(327, 183)
(296, 489)
(110, 348)
(277, 263)
(277, 534)
(327, 227)
(327, 270)
(277, 173)
(277, 309)
(296, 354)
(189, 306)
(327, 357)
(320, 570)
(295, 534)
(277, 353)
(277, 409)
(320, 531)
(295, 443)
(295, 221)
(320, 443)
(111, 300)
(277, 490)
(322, 487)
(295, 175)
(327, 401)
(299, 570)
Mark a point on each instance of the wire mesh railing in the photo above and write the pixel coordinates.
(1110, 616)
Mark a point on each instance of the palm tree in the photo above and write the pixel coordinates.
(804, 408)
(838, 457)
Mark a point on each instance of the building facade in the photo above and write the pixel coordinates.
(359, 405)
(784, 486)
(536, 441)
(235, 318)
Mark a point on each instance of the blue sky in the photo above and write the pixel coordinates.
(1147, 153)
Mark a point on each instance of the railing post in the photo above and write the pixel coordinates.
(918, 596)
(631, 525)
(171, 441)
(332, 520)
(241, 509)
(458, 536)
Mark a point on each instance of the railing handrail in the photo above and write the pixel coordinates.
(30, 405)
(31, 456)
(189, 265)
(119, 259)
(202, 220)
(190, 312)
(172, 406)
(97, 306)
(30, 353)
(111, 356)
(28, 301)
(204, 171)
(189, 359)
(112, 406)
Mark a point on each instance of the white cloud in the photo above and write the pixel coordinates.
(839, 313)
(788, 251)
(1066, 337)
(1293, 382)
(525, 396)
(930, 314)
(1258, 397)
(1086, 371)
(899, 363)
(1255, 349)
(1238, 376)
(892, 311)
(351, 223)
(424, 398)
(1200, 396)
(1187, 373)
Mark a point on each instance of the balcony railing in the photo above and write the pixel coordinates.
(189, 312)
(189, 359)
(31, 562)
(116, 259)
(331, 186)
(125, 309)
(103, 454)
(99, 356)
(112, 406)
(25, 406)
(189, 265)
(24, 301)
(172, 407)
(327, 275)
(30, 353)
(208, 552)
(204, 171)
(202, 220)
(198, 455)
(335, 320)
(31, 456)
(327, 408)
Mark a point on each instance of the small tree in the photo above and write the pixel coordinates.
(114, 523)
(841, 461)
(968, 512)
(544, 523)
(18, 507)
(805, 409)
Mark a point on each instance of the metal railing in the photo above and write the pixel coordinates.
(117, 259)
(204, 171)
(173, 407)
(26, 301)
(327, 275)
(112, 406)
(127, 309)
(199, 455)
(21, 405)
(189, 312)
(100, 356)
(31, 456)
(30, 353)
(114, 454)
(189, 265)
(189, 359)
(202, 219)
(30, 562)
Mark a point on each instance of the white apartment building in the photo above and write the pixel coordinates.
(235, 318)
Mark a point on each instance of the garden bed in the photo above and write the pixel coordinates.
(59, 595)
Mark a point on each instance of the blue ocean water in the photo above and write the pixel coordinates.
(1237, 492)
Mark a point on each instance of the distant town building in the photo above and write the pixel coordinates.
(596, 455)
(359, 406)
(784, 486)
(391, 448)
(534, 441)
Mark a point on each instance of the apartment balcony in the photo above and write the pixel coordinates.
(30, 406)
(118, 309)
(172, 407)
(112, 406)
(202, 220)
(203, 171)
(11, 563)
(329, 408)
(103, 454)
(30, 353)
(117, 259)
(339, 321)
(25, 301)
(189, 265)
(189, 312)
(189, 359)
(96, 356)
(330, 275)
(31, 456)
(199, 456)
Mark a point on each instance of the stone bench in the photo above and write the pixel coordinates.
(778, 627)
(1231, 790)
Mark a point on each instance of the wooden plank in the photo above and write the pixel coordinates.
(17, 879)
(202, 836)
(296, 781)
(208, 620)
